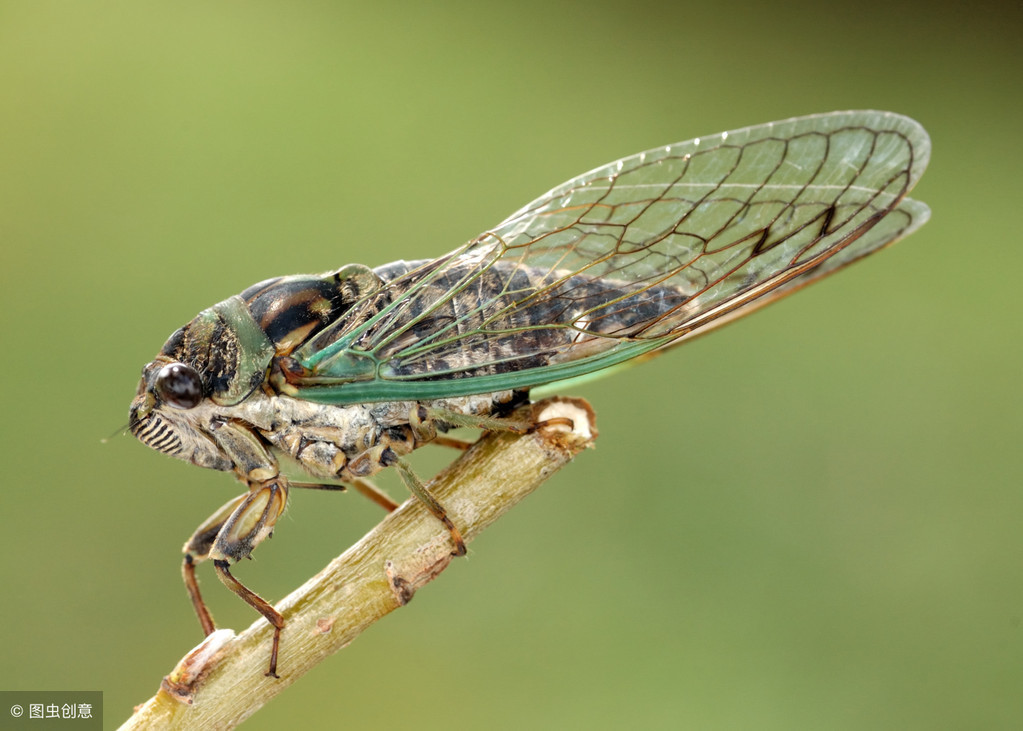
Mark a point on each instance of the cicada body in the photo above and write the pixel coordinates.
(349, 371)
(217, 396)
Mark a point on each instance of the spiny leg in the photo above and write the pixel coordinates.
(423, 421)
(197, 549)
(259, 604)
(192, 586)
(430, 415)
(492, 423)
(363, 486)
(229, 535)
(367, 489)
(445, 441)
(556, 421)
(417, 488)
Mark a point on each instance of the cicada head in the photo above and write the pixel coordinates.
(214, 362)
(222, 358)
(166, 414)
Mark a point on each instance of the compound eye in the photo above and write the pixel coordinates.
(179, 385)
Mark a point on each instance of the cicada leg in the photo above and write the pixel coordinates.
(362, 486)
(228, 536)
(197, 550)
(424, 430)
(423, 422)
(367, 489)
(430, 415)
(493, 423)
(260, 605)
(461, 445)
(486, 423)
(382, 455)
(417, 488)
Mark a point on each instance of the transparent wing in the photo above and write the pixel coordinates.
(629, 258)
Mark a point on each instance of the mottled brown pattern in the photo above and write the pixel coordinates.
(512, 328)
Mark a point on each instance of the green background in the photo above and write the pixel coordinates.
(811, 519)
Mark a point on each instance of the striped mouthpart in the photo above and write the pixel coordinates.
(156, 433)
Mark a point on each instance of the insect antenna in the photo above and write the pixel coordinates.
(119, 432)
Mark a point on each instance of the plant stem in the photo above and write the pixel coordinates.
(221, 683)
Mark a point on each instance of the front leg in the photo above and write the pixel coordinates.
(197, 550)
(228, 536)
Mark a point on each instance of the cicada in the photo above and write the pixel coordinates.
(349, 371)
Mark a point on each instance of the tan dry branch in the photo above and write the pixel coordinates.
(221, 683)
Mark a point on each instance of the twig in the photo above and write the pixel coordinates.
(221, 683)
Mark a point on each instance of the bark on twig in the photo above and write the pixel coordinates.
(221, 683)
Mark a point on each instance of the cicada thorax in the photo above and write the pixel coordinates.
(232, 345)
(224, 356)
(235, 347)
(292, 309)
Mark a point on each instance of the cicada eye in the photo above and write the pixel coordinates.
(179, 385)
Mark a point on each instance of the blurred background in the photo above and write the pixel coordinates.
(811, 519)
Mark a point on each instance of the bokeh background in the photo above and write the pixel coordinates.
(811, 519)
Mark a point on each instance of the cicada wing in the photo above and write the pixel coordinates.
(904, 219)
(630, 257)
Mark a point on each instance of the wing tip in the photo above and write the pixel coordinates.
(919, 212)
(877, 119)
(914, 132)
